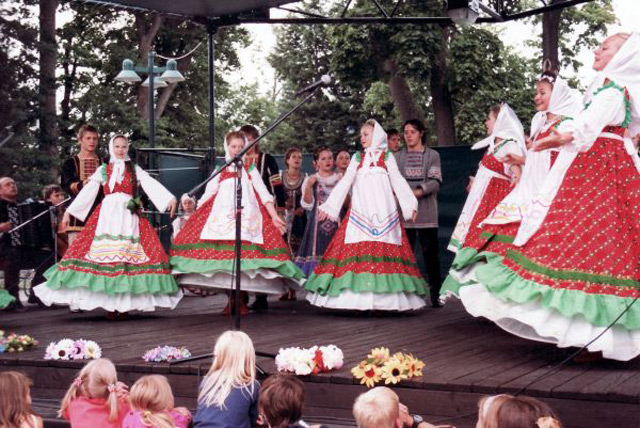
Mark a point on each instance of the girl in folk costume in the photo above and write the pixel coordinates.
(117, 263)
(576, 270)
(316, 191)
(292, 179)
(187, 207)
(203, 251)
(495, 178)
(369, 264)
(557, 104)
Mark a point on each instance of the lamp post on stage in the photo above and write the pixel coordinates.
(170, 74)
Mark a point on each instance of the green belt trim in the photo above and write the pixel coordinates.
(366, 259)
(327, 284)
(120, 267)
(570, 275)
(598, 309)
(497, 237)
(228, 247)
(5, 298)
(208, 266)
(116, 237)
(148, 283)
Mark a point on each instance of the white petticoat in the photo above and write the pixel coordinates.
(86, 300)
(533, 321)
(368, 301)
(253, 281)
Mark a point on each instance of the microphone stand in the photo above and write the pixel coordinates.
(237, 161)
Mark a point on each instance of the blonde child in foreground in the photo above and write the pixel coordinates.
(506, 411)
(153, 406)
(15, 402)
(229, 393)
(95, 398)
(380, 407)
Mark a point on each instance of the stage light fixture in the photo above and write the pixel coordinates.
(463, 12)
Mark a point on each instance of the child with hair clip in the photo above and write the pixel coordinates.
(204, 250)
(152, 405)
(229, 392)
(95, 398)
(315, 191)
(369, 264)
(506, 411)
(15, 402)
(117, 263)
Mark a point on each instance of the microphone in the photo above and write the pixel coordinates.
(324, 81)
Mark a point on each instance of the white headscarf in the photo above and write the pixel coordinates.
(227, 155)
(378, 143)
(507, 126)
(117, 174)
(564, 101)
(624, 70)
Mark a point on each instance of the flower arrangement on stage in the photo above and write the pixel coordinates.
(381, 365)
(16, 342)
(166, 353)
(305, 361)
(69, 349)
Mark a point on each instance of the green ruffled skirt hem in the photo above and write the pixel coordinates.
(365, 283)
(5, 298)
(188, 265)
(138, 283)
(598, 309)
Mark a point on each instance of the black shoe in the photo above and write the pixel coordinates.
(260, 304)
(13, 306)
(438, 302)
(34, 300)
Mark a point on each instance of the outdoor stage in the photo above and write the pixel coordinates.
(465, 358)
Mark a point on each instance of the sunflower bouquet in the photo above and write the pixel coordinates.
(381, 365)
(16, 342)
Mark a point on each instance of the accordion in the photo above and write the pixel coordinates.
(38, 233)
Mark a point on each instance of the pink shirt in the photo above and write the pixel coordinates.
(133, 419)
(94, 412)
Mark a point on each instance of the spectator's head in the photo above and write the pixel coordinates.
(8, 189)
(152, 396)
(187, 203)
(53, 194)
(506, 411)
(88, 138)
(393, 140)
(377, 408)
(234, 365)
(97, 379)
(415, 132)
(342, 159)
(15, 399)
(281, 401)
(293, 158)
(323, 159)
(250, 132)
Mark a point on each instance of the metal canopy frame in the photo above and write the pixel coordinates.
(214, 14)
(211, 13)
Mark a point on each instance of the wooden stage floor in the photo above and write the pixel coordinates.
(465, 358)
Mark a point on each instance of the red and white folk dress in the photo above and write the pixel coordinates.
(577, 268)
(203, 253)
(117, 262)
(369, 264)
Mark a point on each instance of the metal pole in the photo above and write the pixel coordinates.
(211, 30)
(152, 119)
